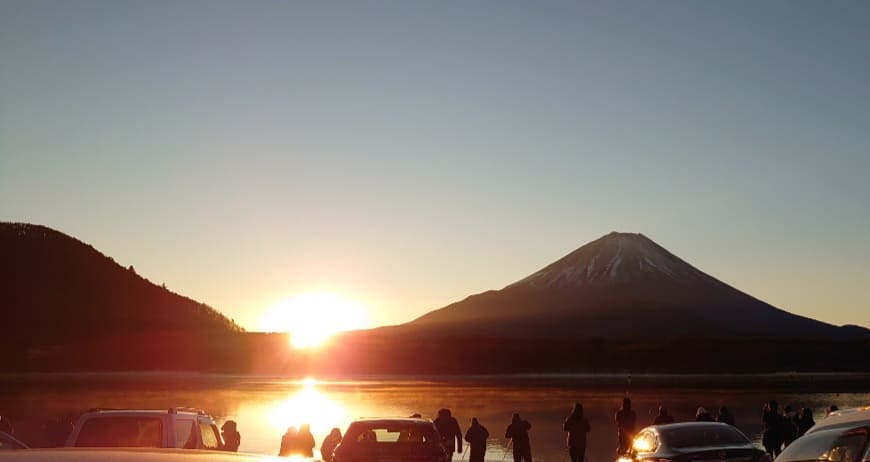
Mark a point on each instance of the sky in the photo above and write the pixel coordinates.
(405, 155)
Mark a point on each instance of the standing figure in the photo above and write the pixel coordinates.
(518, 434)
(304, 441)
(577, 426)
(451, 434)
(231, 436)
(625, 420)
(663, 417)
(329, 444)
(476, 435)
(771, 438)
(703, 415)
(805, 422)
(725, 416)
(288, 443)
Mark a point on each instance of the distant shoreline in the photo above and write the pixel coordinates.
(784, 381)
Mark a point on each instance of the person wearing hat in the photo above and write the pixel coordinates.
(232, 437)
(702, 415)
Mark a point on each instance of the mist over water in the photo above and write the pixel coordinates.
(265, 407)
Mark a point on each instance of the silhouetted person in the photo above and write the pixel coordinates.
(625, 421)
(771, 438)
(518, 433)
(416, 415)
(577, 426)
(663, 417)
(329, 444)
(805, 421)
(304, 441)
(451, 434)
(789, 426)
(476, 435)
(703, 415)
(6, 425)
(288, 443)
(725, 416)
(232, 437)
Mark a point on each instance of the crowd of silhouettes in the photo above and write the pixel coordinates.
(297, 443)
(783, 427)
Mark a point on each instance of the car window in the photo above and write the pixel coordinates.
(703, 435)
(210, 438)
(184, 435)
(121, 431)
(398, 433)
(835, 445)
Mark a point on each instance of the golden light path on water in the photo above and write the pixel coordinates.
(307, 406)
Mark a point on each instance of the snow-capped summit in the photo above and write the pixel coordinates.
(621, 285)
(616, 258)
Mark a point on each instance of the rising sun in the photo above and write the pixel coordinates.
(310, 319)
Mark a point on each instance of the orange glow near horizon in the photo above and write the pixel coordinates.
(311, 319)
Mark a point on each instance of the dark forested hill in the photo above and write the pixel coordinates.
(55, 289)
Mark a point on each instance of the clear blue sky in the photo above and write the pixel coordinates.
(408, 154)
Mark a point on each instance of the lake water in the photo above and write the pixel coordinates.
(265, 407)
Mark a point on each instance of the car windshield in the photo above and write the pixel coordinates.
(401, 432)
(707, 435)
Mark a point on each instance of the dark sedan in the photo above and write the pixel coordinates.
(390, 440)
(693, 442)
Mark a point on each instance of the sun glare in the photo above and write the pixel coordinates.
(310, 319)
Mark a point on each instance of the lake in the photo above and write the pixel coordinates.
(264, 407)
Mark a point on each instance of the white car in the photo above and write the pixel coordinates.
(184, 428)
(843, 436)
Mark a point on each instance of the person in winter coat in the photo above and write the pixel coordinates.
(577, 426)
(451, 434)
(725, 416)
(329, 444)
(771, 438)
(231, 436)
(304, 442)
(625, 421)
(805, 422)
(476, 435)
(518, 434)
(288, 442)
(703, 415)
(663, 417)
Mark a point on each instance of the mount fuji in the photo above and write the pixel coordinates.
(621, 285)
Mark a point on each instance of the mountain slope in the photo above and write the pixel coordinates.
(56, 289)
(620, 286)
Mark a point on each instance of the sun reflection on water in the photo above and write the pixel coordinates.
(307, 405)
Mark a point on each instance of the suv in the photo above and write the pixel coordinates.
(174, 428)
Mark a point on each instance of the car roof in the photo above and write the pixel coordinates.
(844, 418)
(129, 455)
(392, 421)
(677, 425)
(171, 411)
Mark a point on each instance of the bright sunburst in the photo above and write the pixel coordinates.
(311, 319)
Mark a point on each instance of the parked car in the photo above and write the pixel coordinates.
(693, 441)
(390, 440)
(128, 455)
(9, 442)
(173, 428)
(841, 437)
